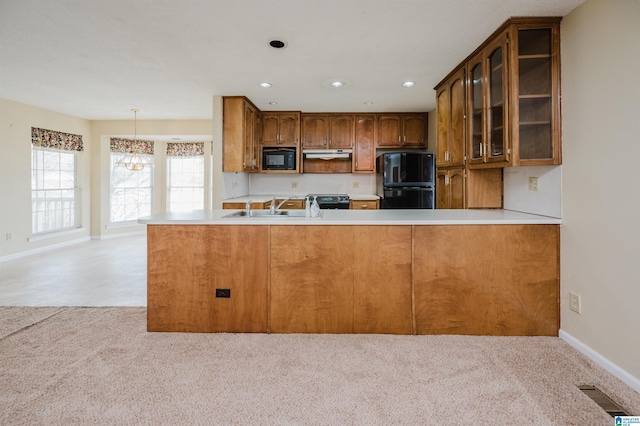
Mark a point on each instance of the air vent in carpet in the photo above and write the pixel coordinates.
(603, 401)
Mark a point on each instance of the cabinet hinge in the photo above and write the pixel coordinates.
(509, 151)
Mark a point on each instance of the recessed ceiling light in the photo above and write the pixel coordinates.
(273, 103)
(408, 84)
(368, 103)
(336, 83)
(277, 44)
(264, 84)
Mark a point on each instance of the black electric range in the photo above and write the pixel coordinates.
(331, 201)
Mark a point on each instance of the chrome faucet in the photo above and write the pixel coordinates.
(248, 208)
(273, 208)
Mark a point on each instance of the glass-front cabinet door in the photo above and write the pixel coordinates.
(475, 116)
(536, 133)
(497, 89)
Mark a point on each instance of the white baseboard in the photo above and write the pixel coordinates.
(619, 372)
(119, 235)
(43, 249)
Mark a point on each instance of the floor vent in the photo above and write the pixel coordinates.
(603, 401)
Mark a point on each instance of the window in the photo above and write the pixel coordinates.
(130, 191)
(54, 194)
(185, 176)
(55, 204)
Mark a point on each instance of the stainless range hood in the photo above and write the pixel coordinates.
(327, 154)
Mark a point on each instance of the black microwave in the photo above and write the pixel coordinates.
(278, 158)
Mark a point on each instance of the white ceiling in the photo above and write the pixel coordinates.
(97, 59)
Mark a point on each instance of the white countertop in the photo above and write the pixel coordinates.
(268, 197)
(359, 217)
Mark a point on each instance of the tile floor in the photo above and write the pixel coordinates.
(95, 273)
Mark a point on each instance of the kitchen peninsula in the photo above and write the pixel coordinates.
(478, 272)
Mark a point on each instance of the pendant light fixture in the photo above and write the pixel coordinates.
(135, 162)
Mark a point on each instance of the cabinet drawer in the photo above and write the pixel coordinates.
(363, 204)
(296, 204)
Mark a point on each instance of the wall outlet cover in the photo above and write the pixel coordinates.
(533, 184)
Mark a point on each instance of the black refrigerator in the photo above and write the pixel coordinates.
(406, 180)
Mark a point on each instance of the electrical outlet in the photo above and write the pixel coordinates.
(223, 292)
(574, 303)
(294, 185)
(533, 184)
(356, 184)
(8, 236)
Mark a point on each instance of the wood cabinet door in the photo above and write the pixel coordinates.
(414, 130)
(389, 130)
(315, 130)
(289, 128)
(456, 189)
(233, 134)
(443, 125)
(476, 110)
(364, 152)
(270, 129)
(249, 155)
(496, 100)
(457, 121)
(443, 198)
(341, 131)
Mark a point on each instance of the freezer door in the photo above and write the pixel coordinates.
(408, 198)
(408, 169)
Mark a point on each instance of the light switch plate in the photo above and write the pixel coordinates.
(574, 303)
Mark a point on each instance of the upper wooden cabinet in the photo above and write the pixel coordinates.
(364, 151)
(281, 128)
(450, 112)
(241, 135)
(327, 131)
(402, 130)
(487, 95)
(315, 130)
(512, 86)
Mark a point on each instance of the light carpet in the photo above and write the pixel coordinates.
(100, 366)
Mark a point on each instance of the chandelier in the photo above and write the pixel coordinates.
(135, 162)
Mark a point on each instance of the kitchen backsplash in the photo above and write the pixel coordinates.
(312, 183)
(547, 200)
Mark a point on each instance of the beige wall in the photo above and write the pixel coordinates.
(16, 120)
(600, 198)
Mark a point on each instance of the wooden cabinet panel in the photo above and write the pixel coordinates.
(389, 130)
(241, 135)
(414, 130)
(487, 279)
(382, 284)
(281, 128)
(312, 273)
(341, 131)
(450, 188)
(364, 204)
(450, 111)
(364, 153)
(402, 130)
(184, 271)
(337, 284)
(315, 130)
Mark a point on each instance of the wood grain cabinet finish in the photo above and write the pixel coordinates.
(186, 264)
(364, 204)
(281, 128)
(326, 279)
(341, 131)
(241, 135)
(450, 113)
(364, 152)
(402, 130)
(315, 131)
(487, 279)
(450, 188)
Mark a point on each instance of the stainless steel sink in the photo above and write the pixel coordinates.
(266, 214)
